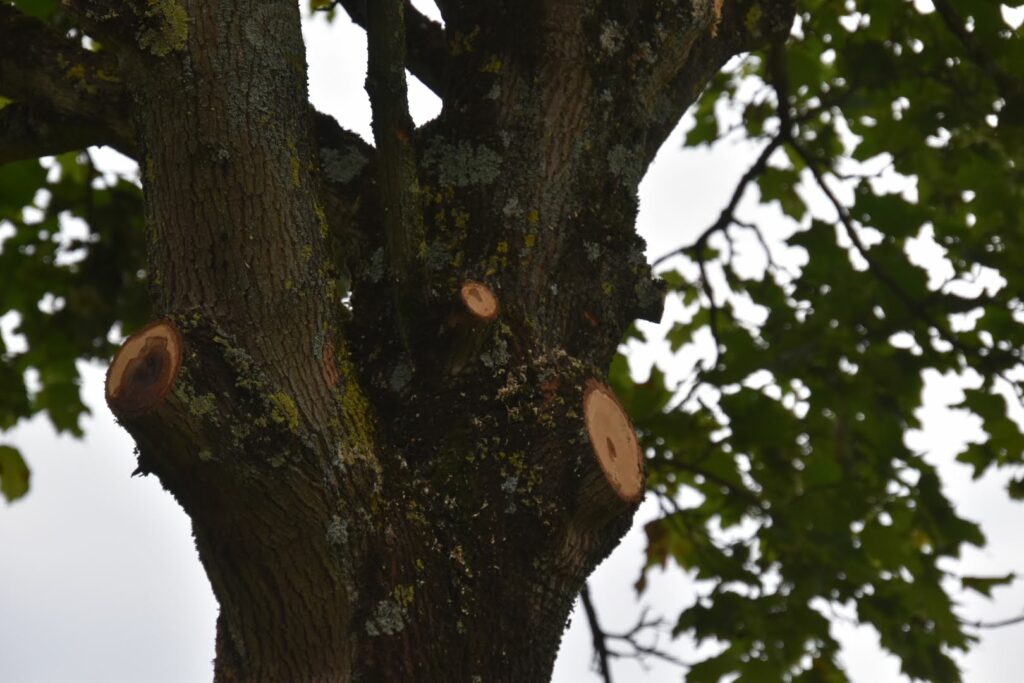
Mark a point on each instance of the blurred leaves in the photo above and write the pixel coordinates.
(40, 9)
(781, 465)
(70, 269)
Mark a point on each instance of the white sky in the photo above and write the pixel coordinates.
(99, 578)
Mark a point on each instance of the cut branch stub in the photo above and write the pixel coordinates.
(614, 441)
(144, 369)
(469, 324)
(479, 300)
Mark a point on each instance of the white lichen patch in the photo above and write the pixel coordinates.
(342, 165)
(337, 532)
(400, 378)
(511, 208)
(376, 268)
(625, 163)
(461, 163)
(388, 618)
(498, 355)
(510, 484)
(612, 37)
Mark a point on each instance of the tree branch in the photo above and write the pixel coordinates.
(728, 215)
(682, 70)
(426, 52)
(28, 133)
(396, 163)
(598, 635)
(631, 640)
(1011, 621)
(63, 85)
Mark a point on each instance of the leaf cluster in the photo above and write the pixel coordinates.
(886, 127)
(71, 257)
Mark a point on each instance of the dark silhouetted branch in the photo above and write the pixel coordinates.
(426, 53)
(63, 84)
(599, 638)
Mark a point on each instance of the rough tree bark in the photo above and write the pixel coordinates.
(414, 486)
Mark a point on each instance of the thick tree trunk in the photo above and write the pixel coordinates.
(416, 489)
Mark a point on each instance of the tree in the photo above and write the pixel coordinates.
(375, 377)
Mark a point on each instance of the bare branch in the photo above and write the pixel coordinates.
(599, 636)
(1012, 621)
(426, 53)
(631, 639)
(728, 215)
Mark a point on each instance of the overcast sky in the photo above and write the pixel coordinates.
(99, 578)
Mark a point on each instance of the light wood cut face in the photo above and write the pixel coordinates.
(144, 369)
(614, 441)
(480, 300)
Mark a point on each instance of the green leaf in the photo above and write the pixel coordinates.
(985, 584)
(14, 474)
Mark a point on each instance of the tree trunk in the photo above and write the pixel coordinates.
(413, 486)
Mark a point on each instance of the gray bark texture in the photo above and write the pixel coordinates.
(383, 489)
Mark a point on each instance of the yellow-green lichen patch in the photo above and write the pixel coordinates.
(492, 66)
(170, 33)
(404, 594)
(77, 74)
(358, 439)
(321, 219)
(284, 411)
(460, 43)
(204, 404)
(296, 166)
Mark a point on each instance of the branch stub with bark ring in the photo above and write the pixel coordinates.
(614, 441)
(479, 300)
(144, 369)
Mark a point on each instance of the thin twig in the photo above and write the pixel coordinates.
(1012, 621)
(726, 217)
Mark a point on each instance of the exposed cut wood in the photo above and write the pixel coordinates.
(718, 17)
(144, 369)
(480, 301)
(330, 365)
(469, 324)
(614, 441)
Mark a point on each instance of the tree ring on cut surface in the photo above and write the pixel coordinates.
(479, 300)
(144, 369)
(614, 441)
